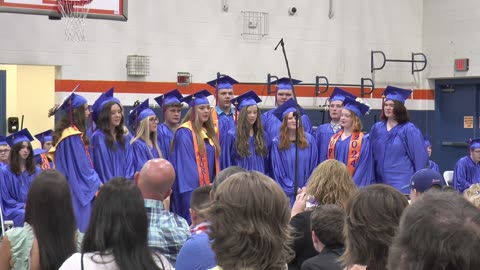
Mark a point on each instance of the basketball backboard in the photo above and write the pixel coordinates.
(99, 9)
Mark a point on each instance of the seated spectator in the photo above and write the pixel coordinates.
(473, 194)
(117, 235)
(249, 223)
(372, 218)
(424, 180)
(440, 231)
(197, 253)
(330, 183)
(327, 236)
(167, 231)
(49, 235)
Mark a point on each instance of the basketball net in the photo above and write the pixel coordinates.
(74, 14)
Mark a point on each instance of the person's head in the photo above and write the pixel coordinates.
(424, 180)
(372, 218)
(21, 154)
(223, 91)
(428, 146)
(440, 231)
(118, 225)
(76, 112)
(473, 194)
(331, 183)
(352, 110)
(155, 179)
(284, 90)
(475, 150)
(336, 103)
(111, 118)
(50, 213)
(394, 104)
(200, 204)
(46, 139)
(249, 223)
(224, 174)
(287, 114)
(327, 226)
(171, 105)
(249, 118)
(4, 153)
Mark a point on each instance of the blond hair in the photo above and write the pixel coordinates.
(473, 194)
(143, 132)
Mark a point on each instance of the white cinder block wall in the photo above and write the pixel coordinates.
(198, 37)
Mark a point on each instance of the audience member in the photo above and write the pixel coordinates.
(327, 236)
(372, 218)
(424, 180)
(330, 183)
(440, 231)
(473, 194)
(49, 235)
(117, 235)
(167, 232)
(249, 223)
(467, 169)
(199, 208)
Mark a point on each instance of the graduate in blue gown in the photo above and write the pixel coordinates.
(41, 159)
(112, 154)
(245, 145)
(351, 146)
(325, 132)
(4, 152)
(431, 164)
(284, 92)
(171, 106)
(397, 144)
(467, 169)
(283, 151)
(72, 157)
(196, 152)
(144, 143)
(15, 178)
(223, 114)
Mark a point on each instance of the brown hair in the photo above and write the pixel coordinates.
(285, 139)
(30, 165)
(357, 125)
(103, 123)
(399, 111)
(78, 120)
(243, 134)
(249, 223)
(372, 218)
(331, 183)
(200, 201)
(327, 223)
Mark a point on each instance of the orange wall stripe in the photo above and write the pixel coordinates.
(163, 87)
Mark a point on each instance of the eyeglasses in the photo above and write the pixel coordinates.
(4, 151)
(154, 119)
(335, 106)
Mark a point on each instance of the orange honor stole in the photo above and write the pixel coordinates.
(353, 149)
(201, 157)
(45, 162)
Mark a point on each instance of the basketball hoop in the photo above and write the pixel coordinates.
(74, 12)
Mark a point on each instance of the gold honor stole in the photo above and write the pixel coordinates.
(70, 131)
(353, 149)
(201, 158)
(45, 164)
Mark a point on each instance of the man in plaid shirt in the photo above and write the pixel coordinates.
(167, 231)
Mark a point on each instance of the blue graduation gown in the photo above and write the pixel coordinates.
(142, 153)
(111, 163)
(323, 134)
(225, 123)
(164, 139)
(434, 166)
(72, 160)
(283, 165)
(397, 154)
(465, 174)
(363, 174)
(271, 124)
(14, 190)
(185, 164)
(230, 156)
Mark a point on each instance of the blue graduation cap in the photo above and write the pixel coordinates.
(101, 101)
(395, 93)
(475, 143)
(356, 107)
(139, 113)
(20, 136)
(340, 94)
(172, 97)
(198, 98)
(3, 140)
(224, 82)
(284, 83)
(36, 155)
(73, 101)
(287, 107)
(46, 136)
(247, 99)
